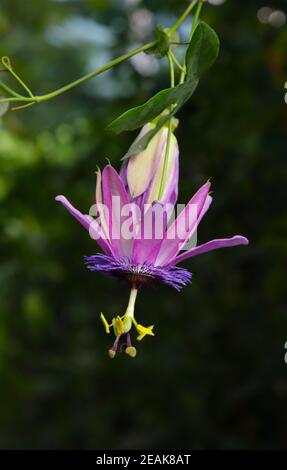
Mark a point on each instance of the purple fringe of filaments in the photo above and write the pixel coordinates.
(171, 275)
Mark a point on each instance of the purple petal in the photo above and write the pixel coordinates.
(115, 197)
(210, 246)
(100, 207)
(86, 221)
(148, 242)
(177, 234)
(123, 174)
(171, 194)
(205, 208)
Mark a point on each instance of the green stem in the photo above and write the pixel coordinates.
(9, 91)
(7, 64)
(196, 18)
(171, 70)
(53, 94)
(90, 75)
(27, 99)
(22, 106)
(182, 17)
(169, 135)
(175, 60)
(194, 24)
(22, 83)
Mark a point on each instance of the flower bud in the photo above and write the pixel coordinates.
(144, 171)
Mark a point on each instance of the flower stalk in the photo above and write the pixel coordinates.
(183, 17)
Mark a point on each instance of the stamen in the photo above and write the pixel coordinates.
(113, 350)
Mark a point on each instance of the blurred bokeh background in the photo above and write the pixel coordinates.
(214, 375)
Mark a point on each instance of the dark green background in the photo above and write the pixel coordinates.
(214, 375)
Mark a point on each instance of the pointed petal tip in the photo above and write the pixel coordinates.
(109, 170)
(206, 185)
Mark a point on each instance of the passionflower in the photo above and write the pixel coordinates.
(132, 223)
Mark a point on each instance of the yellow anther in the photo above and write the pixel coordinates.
(143, 331)
(105, 323)
(118, 326)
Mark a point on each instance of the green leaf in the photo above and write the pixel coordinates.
(183, 93)
(202, 51)
(137, 117)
